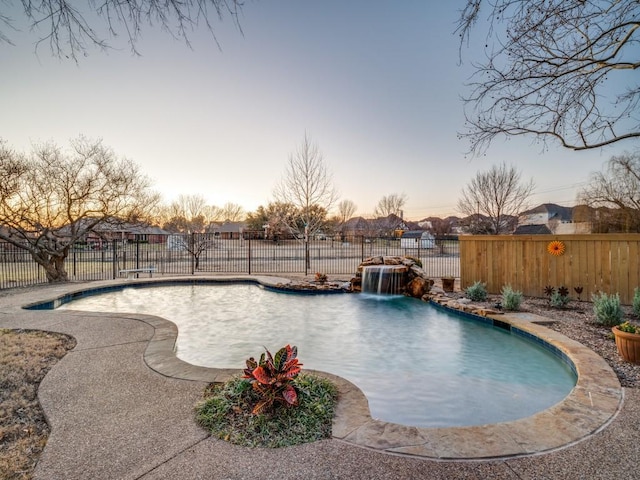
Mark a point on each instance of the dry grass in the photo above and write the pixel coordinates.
(25, 358)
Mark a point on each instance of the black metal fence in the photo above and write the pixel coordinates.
(202, 253)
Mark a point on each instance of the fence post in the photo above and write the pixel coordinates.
(137, 238)
(249, 253)
(114, 258)
(306, 255)
(192, 243)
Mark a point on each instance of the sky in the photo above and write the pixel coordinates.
(376, 84)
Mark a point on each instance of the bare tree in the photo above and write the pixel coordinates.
(390, 205)
(212, 214)
(232, 212)
(498, 194)
(561, 70)
(71, 29)
(617, 187)
(346, 210)
(52, 199)
(185, 215)
(191, 219)
(192, 213)
(191, 206)
(308, 186)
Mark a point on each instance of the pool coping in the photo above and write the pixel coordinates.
(591, 405)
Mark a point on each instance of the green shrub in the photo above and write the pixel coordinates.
(607, 309)
(511, 299)
(636, 302)
(558, 300)
(477, 292)
(226, 413)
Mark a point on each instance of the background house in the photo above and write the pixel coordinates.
(104, 233)
(229, 230)
(417, 239)
(550, 218)
(389, 226)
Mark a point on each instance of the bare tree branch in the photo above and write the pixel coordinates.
(618, 188)
(560, 70)
(72, 28)
(232, 212)
(390, 205)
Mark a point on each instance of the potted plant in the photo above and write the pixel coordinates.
(628, 341)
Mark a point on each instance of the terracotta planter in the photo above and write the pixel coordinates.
(628, 345)
(448, 283)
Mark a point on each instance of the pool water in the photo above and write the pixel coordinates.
(418, 365)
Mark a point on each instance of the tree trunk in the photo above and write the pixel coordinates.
(53, 266)
(307, 259)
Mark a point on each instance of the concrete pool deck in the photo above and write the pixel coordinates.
(121, 406)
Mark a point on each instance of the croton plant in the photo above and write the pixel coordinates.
(272, 378)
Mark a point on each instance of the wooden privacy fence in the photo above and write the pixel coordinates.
(596, 262)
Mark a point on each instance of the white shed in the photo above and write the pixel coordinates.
(417, 239)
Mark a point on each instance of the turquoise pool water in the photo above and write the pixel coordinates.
(418, 365)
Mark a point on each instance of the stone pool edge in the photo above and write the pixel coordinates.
(590, 406)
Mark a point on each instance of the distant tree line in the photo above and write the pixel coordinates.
(52, 197)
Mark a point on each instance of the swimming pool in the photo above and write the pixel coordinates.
(417, 365)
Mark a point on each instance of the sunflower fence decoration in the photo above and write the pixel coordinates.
(556, 248)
